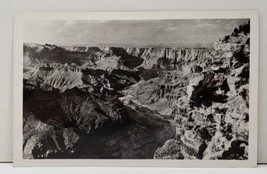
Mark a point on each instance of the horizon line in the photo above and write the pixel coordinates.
(201, 45)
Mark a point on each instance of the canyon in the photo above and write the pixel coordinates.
(84, 102)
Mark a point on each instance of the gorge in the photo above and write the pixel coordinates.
(84, 102)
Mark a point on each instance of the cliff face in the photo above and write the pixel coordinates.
(215, 125)
(173, 56)
(65, 77)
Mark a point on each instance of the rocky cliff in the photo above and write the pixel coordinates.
(212, 117)
(169, 56)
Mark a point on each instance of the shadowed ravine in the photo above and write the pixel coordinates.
(79, 125)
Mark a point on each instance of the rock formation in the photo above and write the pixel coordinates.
(213, 124)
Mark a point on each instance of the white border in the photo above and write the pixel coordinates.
(18, 86)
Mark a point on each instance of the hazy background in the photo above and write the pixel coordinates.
(128, 32)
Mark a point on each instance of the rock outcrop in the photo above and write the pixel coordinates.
(213, 122)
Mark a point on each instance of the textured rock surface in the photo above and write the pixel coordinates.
(170, 150)
(215, 126)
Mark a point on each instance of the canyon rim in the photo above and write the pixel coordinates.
(165, 89)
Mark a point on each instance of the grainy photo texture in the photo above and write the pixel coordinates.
(136, 89)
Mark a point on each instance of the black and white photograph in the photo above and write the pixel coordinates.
(166, 89)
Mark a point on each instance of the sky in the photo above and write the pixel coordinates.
(128, 32)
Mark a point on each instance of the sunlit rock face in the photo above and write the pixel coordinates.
(214, 122)
(170, 150)
(168, 57)
(137, 102)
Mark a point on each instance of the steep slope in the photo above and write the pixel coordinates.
(215, 126)
(67, 77)
(75, 124)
